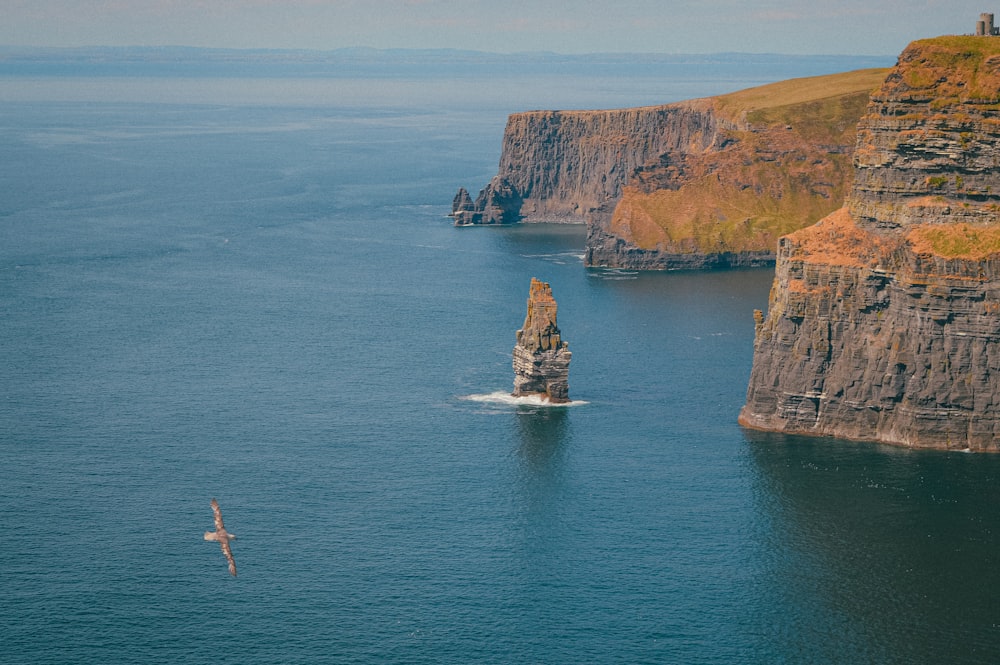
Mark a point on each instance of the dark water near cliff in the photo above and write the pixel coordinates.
(252, 294)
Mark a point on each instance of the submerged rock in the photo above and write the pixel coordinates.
(541, 358)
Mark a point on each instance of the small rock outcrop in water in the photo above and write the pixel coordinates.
(463, 211)
(884, 318)
(541, 358)
(498, 203)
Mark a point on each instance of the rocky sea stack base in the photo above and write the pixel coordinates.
(884, 318)
(541, 358)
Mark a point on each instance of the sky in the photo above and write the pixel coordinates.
(858, 27)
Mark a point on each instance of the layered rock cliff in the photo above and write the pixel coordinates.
(541, 357)
(781, 159)
(558, 166)
(884, 319)
(703, 183)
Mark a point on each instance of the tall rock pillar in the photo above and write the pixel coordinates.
(541, 358)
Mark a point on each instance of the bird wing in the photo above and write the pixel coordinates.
(218, 516)
(229, 556)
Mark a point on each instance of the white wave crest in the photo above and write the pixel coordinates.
(501, 397)
(612, 274)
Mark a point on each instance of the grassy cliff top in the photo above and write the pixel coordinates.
(951, 69)
(983, 46)
(776, 102)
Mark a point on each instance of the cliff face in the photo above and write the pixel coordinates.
(705, 183)
(884, 318)
(782, 161)
(541, 357)
(722, 208)
(928, 147)
(557, 166)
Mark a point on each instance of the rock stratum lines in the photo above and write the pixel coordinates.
(884, 317)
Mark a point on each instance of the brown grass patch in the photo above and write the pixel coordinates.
(835, 240)
(955, 241)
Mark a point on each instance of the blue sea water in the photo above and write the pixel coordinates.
(246, 289)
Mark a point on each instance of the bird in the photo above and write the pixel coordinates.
(221, 536)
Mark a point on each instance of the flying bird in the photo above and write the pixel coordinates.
(223, 537)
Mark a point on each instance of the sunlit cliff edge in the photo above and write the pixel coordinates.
(884, 317)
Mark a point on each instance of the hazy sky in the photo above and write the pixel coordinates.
(864, 27)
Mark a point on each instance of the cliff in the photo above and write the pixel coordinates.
(702, 183)
(558, 166)
(781, 159)
(541, 357)
(884, 317)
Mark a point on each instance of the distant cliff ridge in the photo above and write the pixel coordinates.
(884, 318)
(558, 166)
(704, 183)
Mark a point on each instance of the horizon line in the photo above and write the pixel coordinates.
(425, 50)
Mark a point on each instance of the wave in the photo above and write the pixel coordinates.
(501, 397)
(559, 258)
(611, 274)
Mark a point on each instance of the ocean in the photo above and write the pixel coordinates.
(219, 284)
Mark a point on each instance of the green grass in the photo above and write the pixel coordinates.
(958, 241)
(957, 49)
(777, 102)
(954, 68)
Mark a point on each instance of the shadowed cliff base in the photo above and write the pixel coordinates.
(884, 319)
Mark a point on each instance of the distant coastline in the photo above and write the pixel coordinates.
(199, 61)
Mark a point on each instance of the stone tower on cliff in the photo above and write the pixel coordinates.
(884, 318)
(985, 27)
(541, 358)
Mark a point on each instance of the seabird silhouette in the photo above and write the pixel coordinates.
(222, 536)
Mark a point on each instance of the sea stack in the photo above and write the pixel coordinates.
(884, 318)
(541, 358)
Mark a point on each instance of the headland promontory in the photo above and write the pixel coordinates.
(705, 183)
(884, 319)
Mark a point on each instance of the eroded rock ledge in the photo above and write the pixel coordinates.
(884, 319)
(541, 357)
